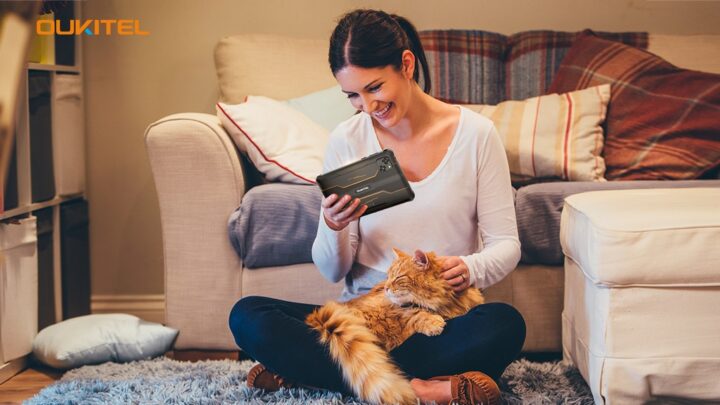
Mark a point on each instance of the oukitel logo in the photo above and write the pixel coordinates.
(90, 27)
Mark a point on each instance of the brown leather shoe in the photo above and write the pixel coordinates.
(264, 379)
(472, 388)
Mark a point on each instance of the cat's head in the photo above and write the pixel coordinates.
(416, 280)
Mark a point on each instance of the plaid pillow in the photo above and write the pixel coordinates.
(663, 122)
(465, 66)
(534, 57)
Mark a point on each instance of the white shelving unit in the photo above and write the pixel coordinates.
(53, 68)
(25, 177)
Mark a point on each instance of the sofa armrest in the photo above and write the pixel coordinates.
(199, 182)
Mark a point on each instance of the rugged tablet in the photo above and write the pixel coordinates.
(376, 180)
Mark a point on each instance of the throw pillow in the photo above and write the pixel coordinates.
(466, 66)
(556, 136)
(282, 142)
(94, 339)
(276, 225)
(327, 107)
(533, 58)
(662, 121)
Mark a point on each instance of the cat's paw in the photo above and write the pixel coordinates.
(432, 325)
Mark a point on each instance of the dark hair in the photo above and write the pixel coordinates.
(374, 38)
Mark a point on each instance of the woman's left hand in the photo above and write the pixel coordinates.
(455, 272)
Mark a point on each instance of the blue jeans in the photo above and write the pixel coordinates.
(274, 333)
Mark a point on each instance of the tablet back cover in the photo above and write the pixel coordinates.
(376, 180)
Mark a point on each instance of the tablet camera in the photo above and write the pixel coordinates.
(385, 164)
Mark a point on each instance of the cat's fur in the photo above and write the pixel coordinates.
(360, 333)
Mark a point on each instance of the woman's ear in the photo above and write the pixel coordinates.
(408, 64)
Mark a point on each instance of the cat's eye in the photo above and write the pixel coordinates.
(401, 280)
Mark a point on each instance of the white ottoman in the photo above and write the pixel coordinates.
(641, 317)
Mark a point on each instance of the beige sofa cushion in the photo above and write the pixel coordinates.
(273, 66)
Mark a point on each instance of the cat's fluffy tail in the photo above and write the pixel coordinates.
(366, 366)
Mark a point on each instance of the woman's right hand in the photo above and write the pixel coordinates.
(339, 212)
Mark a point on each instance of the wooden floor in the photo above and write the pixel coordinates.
(26, 384)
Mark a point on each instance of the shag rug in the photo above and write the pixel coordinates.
(166, 381)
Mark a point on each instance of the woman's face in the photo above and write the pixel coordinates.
(384, 93)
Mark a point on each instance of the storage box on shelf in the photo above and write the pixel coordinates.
(44, 201)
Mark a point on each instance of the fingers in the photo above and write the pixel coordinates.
(455, 273)
(341, 211)
(329, 201)
(453, 267)
(460, 282)
(348, 211)
(358, 213)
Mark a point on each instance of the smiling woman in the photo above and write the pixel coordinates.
(373, 62)
(458, 170)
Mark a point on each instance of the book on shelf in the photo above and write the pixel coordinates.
(42, 47)
(55, 49)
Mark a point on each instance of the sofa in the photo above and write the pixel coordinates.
(203, 178)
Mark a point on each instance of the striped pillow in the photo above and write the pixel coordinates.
(556, 136)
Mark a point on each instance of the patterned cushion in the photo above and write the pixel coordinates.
(466, 67)
(663, 122)
(555, 136)
(534, 57)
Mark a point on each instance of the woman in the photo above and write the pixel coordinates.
(463, 209)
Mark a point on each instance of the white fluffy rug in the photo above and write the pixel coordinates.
(166, 381)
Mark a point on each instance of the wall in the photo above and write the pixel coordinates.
(133, 81)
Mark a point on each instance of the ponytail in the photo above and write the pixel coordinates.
(373, 38)
(417, 49)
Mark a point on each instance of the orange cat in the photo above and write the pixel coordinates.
(361, 332)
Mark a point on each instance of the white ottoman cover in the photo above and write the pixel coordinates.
(641, 316)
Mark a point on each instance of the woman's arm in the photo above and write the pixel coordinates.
(333, 252)
(497, 227)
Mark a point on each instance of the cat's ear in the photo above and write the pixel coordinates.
(399, 253)
(421, 259)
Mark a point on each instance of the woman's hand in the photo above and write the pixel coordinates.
(339, 212)
(455, 272)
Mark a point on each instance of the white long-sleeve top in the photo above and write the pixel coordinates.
(464, 208)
